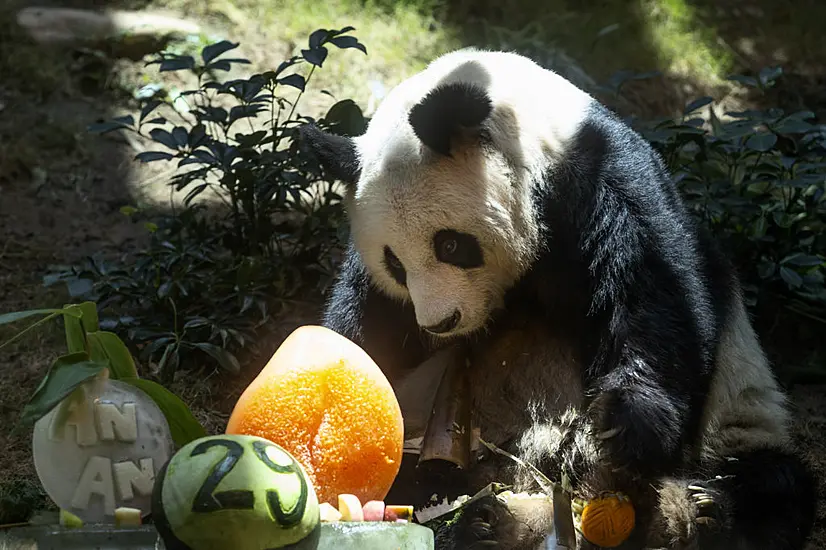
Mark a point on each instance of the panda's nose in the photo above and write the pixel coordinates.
(446, 325)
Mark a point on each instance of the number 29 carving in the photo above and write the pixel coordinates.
(208, 500)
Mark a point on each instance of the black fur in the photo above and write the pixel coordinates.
(639, 292)
(336, 153)
(764, 499)
(653, 299)
(447, 108)
(385, 328)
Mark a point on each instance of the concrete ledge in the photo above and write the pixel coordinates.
(334, 536)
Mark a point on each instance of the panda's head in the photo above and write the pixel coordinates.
(442, 187)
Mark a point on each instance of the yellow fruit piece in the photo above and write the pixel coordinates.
(350, 508)
(608, 521)
(69, 520)
(127, 516)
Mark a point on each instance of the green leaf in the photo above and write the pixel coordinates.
(76, 327)
(761, 142)
(214, 50)
(163, 137)
(183, 425)
(697, 104)
(119, 123)
(66, 374)
(294, 80)
(802, 260)
(19, 315)
(318, 37)
(344, 42)
(177, 63)
(222, 356)
(316, 56)
(106, 346)
(749, 81)
(769, 74)
(791, 277)
(152, 156)
(15, 316)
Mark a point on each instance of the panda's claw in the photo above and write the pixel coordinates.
(484, 544)
(481, 529)
(705, 520)
(707, 506)
(491, 517)
(608, 434)
(705, 503)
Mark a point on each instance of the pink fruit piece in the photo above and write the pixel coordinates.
(393, 512)
(350, 508)
(373, 510)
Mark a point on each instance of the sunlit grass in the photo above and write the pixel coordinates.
(684, 44)
(400, 37)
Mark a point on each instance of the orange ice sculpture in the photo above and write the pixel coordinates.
(323, 398)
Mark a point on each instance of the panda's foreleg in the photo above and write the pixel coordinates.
(751, 491)
(385, 328)
(762, 499)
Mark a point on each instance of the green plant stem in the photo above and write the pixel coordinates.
(31, 328)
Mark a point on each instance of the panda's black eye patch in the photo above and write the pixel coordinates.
(459, 249)
(394, 266)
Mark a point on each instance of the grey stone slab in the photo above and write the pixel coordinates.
(334, 536)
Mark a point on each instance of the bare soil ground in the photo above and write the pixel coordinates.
(60, 194)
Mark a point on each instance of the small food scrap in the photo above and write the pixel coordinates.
(373, 510)
(350, 508)
(392, 513)
(328, 512)
(127, 516)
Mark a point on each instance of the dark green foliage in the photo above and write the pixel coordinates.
(211, 277)
(20, 498)
(757, 180)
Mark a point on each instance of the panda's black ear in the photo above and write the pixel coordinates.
(337, 154)
(447, 108)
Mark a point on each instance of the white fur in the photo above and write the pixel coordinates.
(406, 193)
(746, 408)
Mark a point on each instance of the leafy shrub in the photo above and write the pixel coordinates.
(20, 499)
(93, 353)
(758, 181)
(212, 276)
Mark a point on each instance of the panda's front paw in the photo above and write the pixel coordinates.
(689, 514)
(484, 524)
(577, 452)
(635, 432)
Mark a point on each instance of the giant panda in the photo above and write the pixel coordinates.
(499, 212)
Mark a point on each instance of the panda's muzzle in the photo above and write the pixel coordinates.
(445, 325)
